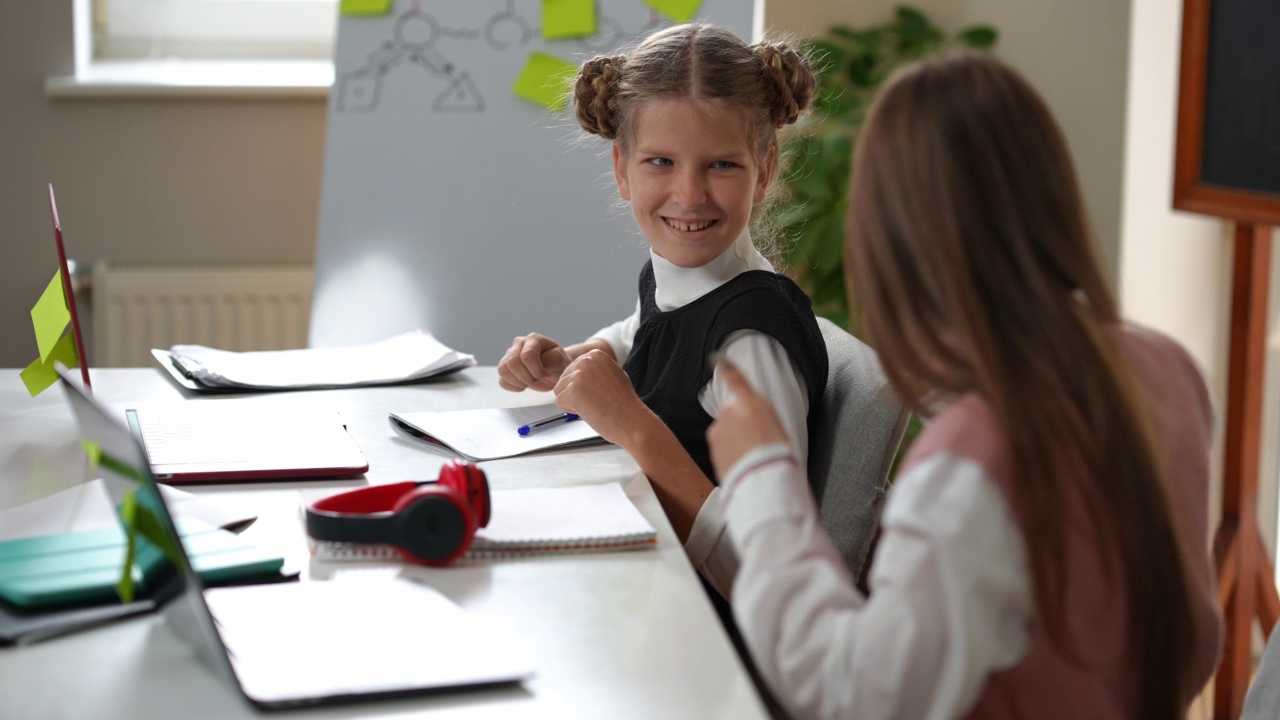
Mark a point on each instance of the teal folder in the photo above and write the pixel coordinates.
(83, 568)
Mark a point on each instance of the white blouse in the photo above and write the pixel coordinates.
(761, 358)
(951, 598)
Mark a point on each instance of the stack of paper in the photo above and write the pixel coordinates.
(538, 521)
(404, 358)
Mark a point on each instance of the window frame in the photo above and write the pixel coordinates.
(214, 29)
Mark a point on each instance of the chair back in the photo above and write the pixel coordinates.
(1262, 702)
(853, 443)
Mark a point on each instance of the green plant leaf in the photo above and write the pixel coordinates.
(843, 32)
(851, 64)
(861, 69)
(911, 18)
(978, 36)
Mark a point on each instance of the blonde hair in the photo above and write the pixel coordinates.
(770, 83)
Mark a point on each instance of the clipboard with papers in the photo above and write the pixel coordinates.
(409, 357)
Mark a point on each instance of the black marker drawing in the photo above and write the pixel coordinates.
(413, 42)
(507, 29)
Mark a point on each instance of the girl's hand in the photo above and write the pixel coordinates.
(596, 388)
(746, 422)
(533, 361)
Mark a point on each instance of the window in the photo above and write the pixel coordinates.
(214, 29)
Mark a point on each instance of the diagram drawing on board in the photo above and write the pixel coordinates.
(413, 43)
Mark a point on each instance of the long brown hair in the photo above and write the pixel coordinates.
(976, 272)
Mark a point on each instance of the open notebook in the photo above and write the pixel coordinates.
(492, 433)
(537, 521)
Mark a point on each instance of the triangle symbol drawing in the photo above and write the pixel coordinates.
(460, 96)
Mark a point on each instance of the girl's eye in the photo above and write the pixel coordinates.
(660, 162)
(723, 165)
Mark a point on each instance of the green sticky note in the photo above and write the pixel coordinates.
(40, 374)
(545, 80)
(50, 316)
(121, 468)
(93, 451)
(678, 10)
(128, 516)
(364, 7)
(568, 18)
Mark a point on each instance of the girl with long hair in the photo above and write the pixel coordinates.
(1045, 546)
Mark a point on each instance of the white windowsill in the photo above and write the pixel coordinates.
(216, 79)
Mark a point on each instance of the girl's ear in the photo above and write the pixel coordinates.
(765, 174)
(620, 173)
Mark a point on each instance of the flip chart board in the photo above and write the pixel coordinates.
(459, 196)
(1228, 142)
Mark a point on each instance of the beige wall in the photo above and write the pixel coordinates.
(1174, 266)
(173, 179)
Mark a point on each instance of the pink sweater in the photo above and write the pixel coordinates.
(1045, 684)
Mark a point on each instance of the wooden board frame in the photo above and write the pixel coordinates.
(1190, 193)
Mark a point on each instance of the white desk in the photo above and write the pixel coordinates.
(617, 635)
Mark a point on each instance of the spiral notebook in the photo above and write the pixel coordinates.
(537, 521)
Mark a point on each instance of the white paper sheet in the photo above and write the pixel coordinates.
(491, 433)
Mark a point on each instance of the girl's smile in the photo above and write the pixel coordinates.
(692, 178)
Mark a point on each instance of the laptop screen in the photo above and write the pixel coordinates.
(122, 464)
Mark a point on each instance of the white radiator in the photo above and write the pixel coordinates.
(141, 304)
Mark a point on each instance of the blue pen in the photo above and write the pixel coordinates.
(537, 425)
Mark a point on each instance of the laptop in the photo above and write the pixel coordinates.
(309, 643)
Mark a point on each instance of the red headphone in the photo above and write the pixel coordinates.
(431, 523)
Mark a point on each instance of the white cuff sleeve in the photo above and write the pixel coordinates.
(709, 549)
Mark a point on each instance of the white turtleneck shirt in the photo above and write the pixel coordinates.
(761, 358)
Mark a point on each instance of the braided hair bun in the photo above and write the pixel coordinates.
(595, 95)
(791, 79)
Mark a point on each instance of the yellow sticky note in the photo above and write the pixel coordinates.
(545, 80)
(364, 7)
(40, 374)
(94, 452)
(568, 18)
(50, 316)
(678, 10)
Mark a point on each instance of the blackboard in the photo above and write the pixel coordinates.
(1228, 159)
(451, 205)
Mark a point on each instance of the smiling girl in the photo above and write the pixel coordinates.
(693, 113)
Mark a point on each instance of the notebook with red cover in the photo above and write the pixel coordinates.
(202, 441)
